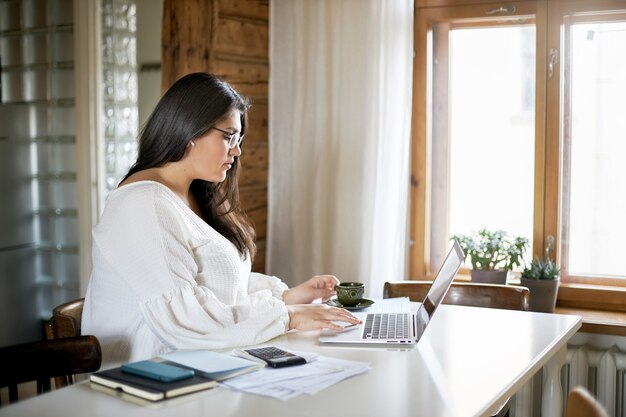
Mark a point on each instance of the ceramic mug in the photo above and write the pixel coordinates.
(350, 294)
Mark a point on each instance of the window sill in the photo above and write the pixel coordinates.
(598, 321)
(592, 297)
(602, 308)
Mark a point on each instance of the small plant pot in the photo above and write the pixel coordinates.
(543, 294)
(489, 277)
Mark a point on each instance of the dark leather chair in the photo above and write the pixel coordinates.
(40, 361)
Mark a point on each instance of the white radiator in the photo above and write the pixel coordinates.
(600, 370)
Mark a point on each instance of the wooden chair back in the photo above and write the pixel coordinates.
(580, 403)
(40, 361)
(508, 297)
(65, 322)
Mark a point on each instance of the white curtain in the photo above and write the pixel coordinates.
(340, 115)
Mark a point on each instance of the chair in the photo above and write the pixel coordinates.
(580, 403)
(506, 297)
(40, 361)
(466, 294)
(65, 320)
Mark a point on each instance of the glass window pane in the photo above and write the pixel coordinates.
(595, 226)
(490, 134)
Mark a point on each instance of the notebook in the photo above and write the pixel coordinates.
(148, 388)
(209, 364)
(402, 328)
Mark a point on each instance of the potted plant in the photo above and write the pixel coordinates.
(492, 254)
(542, 279)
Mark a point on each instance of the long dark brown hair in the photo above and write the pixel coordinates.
(188, 110)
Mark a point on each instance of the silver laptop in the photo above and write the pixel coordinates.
(402, 328)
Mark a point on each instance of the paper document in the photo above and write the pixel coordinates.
(284, 383)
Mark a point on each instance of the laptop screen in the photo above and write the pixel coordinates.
(440, 287)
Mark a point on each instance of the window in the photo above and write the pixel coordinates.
(518, 125)
(483, 130)
(594, 145)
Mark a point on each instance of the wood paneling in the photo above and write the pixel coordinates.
(259, 220)
(256, 92)
(186, 39)
(253, 197)
(241, 70)
(259, 259)
(245, 8)
(257, 123)
(254, 165)
(228, 38)
(242, 37)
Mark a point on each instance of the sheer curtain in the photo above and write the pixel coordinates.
(340, 113)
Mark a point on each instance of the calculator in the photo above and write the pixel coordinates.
(275, 357)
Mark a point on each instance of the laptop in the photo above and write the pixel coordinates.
(402, 328)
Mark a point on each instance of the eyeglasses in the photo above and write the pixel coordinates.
(234, 139)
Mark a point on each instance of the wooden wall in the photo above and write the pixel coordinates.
(228, 38)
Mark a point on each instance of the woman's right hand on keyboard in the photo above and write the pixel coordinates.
(318, 316)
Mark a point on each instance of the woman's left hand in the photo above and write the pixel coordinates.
(320, 286)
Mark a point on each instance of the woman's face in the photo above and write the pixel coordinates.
(211, 157)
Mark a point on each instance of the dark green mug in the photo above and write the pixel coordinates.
(350, 294)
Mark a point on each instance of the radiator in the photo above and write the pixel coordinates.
(601, 371)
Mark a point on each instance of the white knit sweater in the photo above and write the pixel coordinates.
(163, 279)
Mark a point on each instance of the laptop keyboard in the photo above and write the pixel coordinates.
(387, 326)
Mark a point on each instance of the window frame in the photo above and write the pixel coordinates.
(550, 16)
(421, 162)
(563, 14)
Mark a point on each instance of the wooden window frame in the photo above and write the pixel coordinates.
(421, 172)
(582, 292)
(563, 14)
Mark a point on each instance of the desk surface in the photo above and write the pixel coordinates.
(469, 360)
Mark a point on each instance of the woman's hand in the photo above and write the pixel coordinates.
(320, 286)
(318, 316)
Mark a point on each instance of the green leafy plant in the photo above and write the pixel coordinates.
(491, 250)
(543, 268)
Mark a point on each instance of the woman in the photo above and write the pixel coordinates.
(172, 252)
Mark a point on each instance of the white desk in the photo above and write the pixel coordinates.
(469, 360)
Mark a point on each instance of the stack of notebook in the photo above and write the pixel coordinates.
(194, 371)
(148, 388)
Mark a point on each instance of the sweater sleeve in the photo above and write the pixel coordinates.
(148, 245)
(259, 282)
(191, 318)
